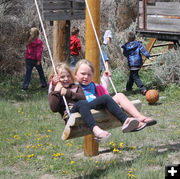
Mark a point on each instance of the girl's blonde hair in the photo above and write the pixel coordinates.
(59, 67)
(32, 34)
(84, 61)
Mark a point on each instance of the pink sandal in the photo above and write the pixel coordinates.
(102, 139)
(149, 121)
(130, 125)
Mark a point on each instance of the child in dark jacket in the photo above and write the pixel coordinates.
(133, 50)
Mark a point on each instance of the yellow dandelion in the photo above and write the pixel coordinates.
(69, 144)
(16, 137)
(72, 162)
(151, 149)
(49, 130)
(28, 146)
(121, 144)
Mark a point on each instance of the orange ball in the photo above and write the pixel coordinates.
(152, 96)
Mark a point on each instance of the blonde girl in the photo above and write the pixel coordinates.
(33, 54)
(84, 71)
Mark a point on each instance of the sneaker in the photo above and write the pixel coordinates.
(43, 86)
(144, 92)
(24, 88)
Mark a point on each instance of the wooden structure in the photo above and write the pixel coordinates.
(159, 19)
(76, 127)
(63, 9)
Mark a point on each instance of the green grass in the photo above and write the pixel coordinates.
(31, 145)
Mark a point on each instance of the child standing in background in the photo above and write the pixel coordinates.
(75, 47)
(133, 50)
(33, 54)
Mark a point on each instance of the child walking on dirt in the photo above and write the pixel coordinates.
(133, 50)
(33, 54)
(76, 100)
(84, 71)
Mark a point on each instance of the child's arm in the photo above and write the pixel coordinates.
(124, 51)
(55, 101)
(39, 52)
(75, 93)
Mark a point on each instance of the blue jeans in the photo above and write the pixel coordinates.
(73, 61)
(134, 77)
(101, 102)
(29, 66)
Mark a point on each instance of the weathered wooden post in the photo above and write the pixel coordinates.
(92, 54)
(61, 41)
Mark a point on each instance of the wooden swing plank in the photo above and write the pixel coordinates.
(76, 127)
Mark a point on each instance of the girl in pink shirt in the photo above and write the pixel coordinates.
(33, 55)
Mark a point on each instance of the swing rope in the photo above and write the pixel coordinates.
(99, 46)
(50, 54)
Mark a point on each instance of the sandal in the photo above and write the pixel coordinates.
(140, 128)
(102, 139)
(149, 122)
(130, 125)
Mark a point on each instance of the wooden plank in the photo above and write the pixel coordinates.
(79, 5)
(76, 127)
(161, 24)
(162, 8)
(57, 15)
(57, 6)
(160, 35)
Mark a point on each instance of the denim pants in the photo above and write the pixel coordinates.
(101, 102)
(30, 64)
(134, 77)
(73, 61)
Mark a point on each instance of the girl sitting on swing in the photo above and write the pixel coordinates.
(63, 85)
(84, 71)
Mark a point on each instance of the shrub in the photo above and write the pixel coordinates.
(167, 68)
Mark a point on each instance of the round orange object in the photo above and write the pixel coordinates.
(152, 96)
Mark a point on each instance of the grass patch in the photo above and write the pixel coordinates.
(31, 145)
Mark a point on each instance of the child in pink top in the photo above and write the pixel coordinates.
(33, 55)
(84, 72)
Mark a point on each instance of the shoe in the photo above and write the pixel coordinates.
(150, 122)
(24, 88)
(43, 86)
(144, 92)
(102, 139)
(130, 125)
(140, 128)
(147, 123)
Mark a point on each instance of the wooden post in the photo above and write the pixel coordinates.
(92, 54)
(61, 41)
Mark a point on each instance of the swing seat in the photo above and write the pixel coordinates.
(76, 127)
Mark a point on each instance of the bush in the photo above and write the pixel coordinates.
(167, 68)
